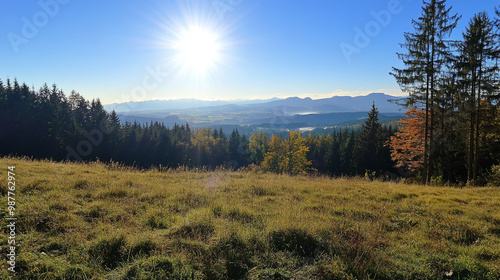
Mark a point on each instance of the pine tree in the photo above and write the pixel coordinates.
(235, 156)
(347, 163)
(478, 71)
(332, 155)
(369, 144)
(427, 53)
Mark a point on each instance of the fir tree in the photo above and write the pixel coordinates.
(370, 143)
(427, 53)
(478, 71)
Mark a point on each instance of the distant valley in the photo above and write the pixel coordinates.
(270, 115)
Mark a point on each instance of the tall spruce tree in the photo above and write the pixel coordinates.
(478, 70)
(369, 144)
(332, 155)
(427, 52)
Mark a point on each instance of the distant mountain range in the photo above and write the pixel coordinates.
(288, 106)
(271, 115)
(176, 104)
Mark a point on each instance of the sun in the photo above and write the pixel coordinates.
(198, 49)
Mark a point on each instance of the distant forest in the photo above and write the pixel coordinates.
(451, 133)
(48, 124)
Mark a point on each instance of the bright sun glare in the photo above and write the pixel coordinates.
(198, 49)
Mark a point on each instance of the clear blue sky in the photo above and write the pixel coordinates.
(109, 49)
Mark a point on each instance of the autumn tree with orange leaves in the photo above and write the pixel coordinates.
(407, 145)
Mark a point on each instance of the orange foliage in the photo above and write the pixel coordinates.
(407, 146)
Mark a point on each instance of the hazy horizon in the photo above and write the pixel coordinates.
(262, 99)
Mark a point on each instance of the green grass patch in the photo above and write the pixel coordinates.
(96, 221)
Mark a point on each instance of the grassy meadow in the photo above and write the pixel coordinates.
(97, 221)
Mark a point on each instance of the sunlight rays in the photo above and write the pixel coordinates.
(195, 42)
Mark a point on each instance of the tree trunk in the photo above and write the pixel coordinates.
(470, 174)
(431, 132)
(426, 130)
(478, 121)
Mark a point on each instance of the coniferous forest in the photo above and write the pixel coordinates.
(451, 133)
(48, 124)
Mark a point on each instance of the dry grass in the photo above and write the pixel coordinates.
(96, 221)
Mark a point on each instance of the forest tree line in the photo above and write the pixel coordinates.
(46, 123)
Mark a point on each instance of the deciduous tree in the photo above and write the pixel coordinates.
(407, 145)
